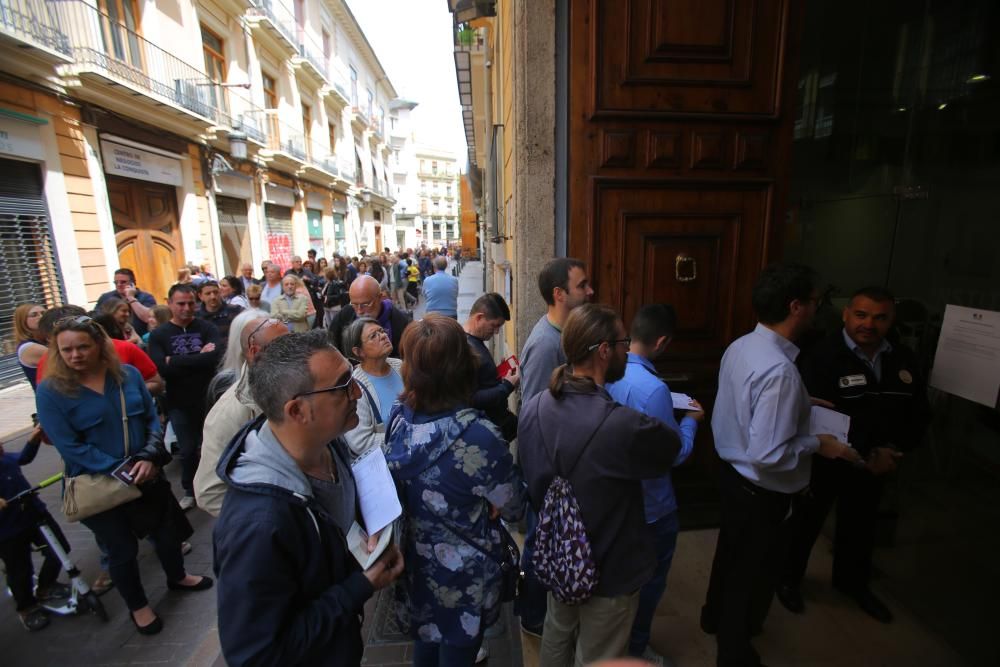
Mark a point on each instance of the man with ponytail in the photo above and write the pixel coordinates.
(574, 430)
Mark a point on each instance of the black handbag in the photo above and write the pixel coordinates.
(511, 574)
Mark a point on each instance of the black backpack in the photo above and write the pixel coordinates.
(335, 294)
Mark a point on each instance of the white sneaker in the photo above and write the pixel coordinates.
(654, 658)
(483, 655)
(187, 502)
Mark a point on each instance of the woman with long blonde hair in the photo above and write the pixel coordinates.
(99, 415)
(29, 340)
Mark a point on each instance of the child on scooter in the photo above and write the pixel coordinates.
(19, 531)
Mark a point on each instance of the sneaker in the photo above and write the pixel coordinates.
(34, 619)
(55, 591)
(102, 584)
(654, 658)
(187, 502)
(186, 548)
(483, 655)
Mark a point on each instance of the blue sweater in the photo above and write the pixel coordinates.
(20, 517)
(441, 291)
(87, 428)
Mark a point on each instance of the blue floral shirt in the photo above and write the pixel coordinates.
(451, 468)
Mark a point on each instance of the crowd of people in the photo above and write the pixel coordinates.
(272, 406)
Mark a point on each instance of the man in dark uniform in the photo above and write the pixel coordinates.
(879, 386)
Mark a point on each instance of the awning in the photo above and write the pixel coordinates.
(366, 164)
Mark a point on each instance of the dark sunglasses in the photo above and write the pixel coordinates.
(74, 320)
(346, 386)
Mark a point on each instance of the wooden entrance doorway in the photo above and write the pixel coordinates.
(147, 232)
(679, 133)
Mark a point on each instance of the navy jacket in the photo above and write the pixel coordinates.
(290, 592)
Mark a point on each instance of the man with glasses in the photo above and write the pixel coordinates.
(186, 352)
(366, 301)
(233, 409)
(290, 592)
(761, 428)
(139, 302)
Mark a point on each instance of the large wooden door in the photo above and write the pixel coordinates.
(679, 134)
(147, 232)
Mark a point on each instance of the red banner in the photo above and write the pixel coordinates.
(279, 248)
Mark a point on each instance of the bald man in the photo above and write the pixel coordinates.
(233, 409)
(366, 301)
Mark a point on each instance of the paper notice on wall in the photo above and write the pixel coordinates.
(967, 361)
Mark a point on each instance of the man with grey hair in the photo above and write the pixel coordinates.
(233, 409)
(290, 592)
(441, 290)
(366, 301)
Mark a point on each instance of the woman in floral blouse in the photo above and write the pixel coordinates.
(457, 478)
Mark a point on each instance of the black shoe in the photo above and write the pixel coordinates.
(872, 606)
(790, 598)
(203, 585)
(153, 628)
(533, 630)
(708, 625)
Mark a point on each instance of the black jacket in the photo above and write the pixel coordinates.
(397, 318)
(627, 447)
(891, 413)
(491, 392)
(189, 370)
(289, 591)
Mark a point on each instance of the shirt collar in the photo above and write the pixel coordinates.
(634, 358)
(787, 347)
(885, 346)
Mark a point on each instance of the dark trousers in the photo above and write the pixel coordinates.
(857, 493)
(15, 552)
(663, 532)
(532, 599)
(113, 529)
(432, 654)
(188, 423)
(748, 558)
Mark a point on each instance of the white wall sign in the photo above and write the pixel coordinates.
(120, 160)
(20, 138)
(967, 361)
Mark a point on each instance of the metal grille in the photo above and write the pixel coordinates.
(29, 271)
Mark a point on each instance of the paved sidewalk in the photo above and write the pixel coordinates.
(17, 404)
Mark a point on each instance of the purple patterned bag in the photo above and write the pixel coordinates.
(563, 560)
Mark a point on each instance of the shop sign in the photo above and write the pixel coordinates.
(129, 162)
(20, 139)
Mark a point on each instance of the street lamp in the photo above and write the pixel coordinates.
(238, 145)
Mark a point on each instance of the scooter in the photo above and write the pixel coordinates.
(81, 599)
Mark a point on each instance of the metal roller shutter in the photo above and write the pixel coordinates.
(29, 270)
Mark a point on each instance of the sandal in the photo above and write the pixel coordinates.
(102, 584)
(34, 619)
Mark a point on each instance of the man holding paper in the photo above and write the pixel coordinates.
(290, 591)
(761, 427)
(878, 387)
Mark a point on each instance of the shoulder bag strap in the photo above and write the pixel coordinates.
(121, 394)
(371, 402)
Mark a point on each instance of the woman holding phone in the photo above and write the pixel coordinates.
(99, 415)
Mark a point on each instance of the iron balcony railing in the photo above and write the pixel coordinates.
(34, 22)
(104, 46)
(284, 138)
(279, 15)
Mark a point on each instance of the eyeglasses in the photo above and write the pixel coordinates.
(364, 306)
(270, 320)
(375, 335)
(346, 386)
(627, 341)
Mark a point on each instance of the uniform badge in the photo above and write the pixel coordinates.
(858, 380)
(906, 376)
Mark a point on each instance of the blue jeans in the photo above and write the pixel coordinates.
(664, 534)
(532, 599)
(433, 654)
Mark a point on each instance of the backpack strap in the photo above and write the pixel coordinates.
(555, 463)
(371, 403)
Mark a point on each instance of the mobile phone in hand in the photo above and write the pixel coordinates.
(123, 472)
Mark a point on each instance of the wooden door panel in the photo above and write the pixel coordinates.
(664, 57)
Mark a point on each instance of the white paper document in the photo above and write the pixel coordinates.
(967, 361)
(826, 421)
(682, 401)
(357, 542)
(376, 491)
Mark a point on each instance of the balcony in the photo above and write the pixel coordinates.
(290, 150)
(272, 21)
(32, 40)
(359, 119)
(116, 67)
(335, 89)
(309, 61)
